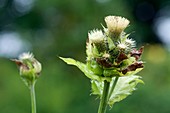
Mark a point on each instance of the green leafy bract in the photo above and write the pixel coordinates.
(124, 87)
(84, 68)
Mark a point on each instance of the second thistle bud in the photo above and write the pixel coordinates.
(29, 67)
(97, 38)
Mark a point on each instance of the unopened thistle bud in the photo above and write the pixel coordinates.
(116, 25)
(97, 38)
(29, 67)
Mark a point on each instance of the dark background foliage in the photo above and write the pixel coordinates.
(52, 28)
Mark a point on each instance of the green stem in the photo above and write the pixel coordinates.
(33, 100)
(113, 86)
(103, 101)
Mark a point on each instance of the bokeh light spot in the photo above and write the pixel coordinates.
(23, 6)
(11, 44)
(162, 26)
(102, 1)
(2, 3)
(156, 54)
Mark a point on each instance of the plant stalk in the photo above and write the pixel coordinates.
(104, 98)
(113, 87)
(33, 99)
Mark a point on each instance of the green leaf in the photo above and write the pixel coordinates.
(111, 43)
(111, 72)
(96, 88)
(124, 37)
(94, 67)
(83, 67)
(124, 87)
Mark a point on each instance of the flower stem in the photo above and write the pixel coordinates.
(104, 98)
(113, 86)
(33, 100)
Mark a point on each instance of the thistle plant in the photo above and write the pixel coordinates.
(112, 62)
(29, 69)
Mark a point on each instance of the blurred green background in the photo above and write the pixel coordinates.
(52, 28)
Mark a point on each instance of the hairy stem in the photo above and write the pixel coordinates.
(33, 99)
(104, 98)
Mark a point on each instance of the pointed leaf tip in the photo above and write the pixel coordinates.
(83, 67)
(69, 61)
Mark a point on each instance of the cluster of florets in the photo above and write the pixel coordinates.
(110, 52)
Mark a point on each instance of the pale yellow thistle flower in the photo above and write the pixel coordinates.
(116, 24)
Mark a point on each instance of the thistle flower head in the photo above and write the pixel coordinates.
(96, 36)
(111, 55)
(116, 24)
(110, 50)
